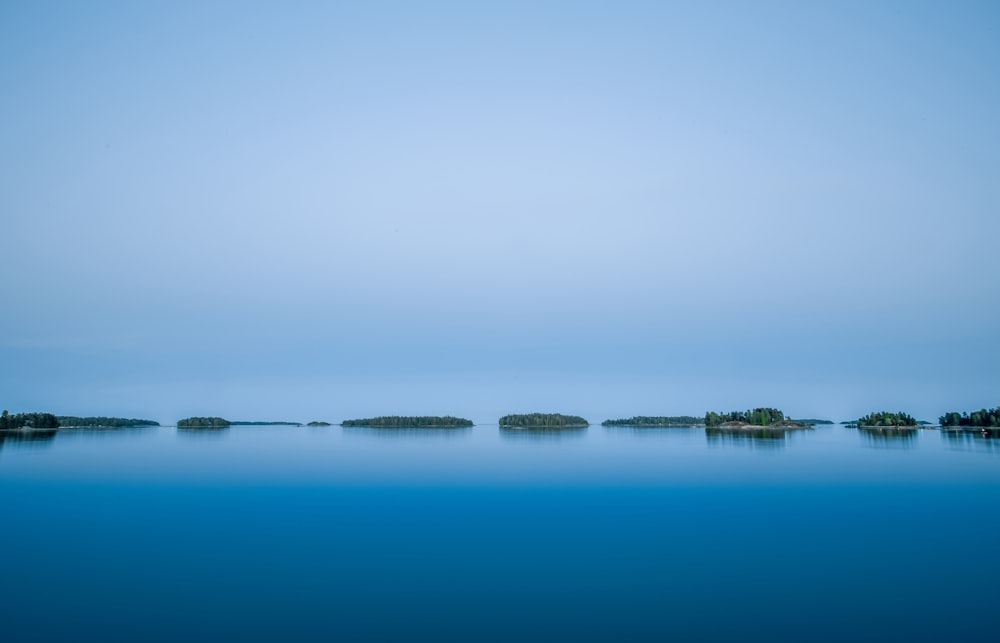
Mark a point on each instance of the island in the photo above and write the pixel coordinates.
(102, 422)
(886, 419)
(981, 419)
(542, 421)
(761, 417)
(202, 423)
(314, 423)
(657, 421)
(409, 422)
(28, 421)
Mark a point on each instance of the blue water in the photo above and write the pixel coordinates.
(320, 534)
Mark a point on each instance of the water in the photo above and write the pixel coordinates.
(267, 533)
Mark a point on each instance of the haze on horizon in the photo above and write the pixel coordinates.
(333, 210)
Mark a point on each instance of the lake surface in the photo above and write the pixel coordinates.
(320, 534)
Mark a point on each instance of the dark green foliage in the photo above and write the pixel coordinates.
(885, 418)
(318, 424)
(543, 420)
(645, 420)
(403, 422)
(810, 421)
(762, 416)
(28, 420)
(982, 418)
(101, 421)
(202, 423)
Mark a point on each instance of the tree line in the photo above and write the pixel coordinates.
(647, 420)
(542, 421)
(980, 418)
(408, 422)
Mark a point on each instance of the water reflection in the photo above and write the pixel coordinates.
(203, 432)
(654, 430)
(107, 432)
(404, 433)
(30, 438)
(757, 438)
(983, 440)
(542, 434)
(889, 437)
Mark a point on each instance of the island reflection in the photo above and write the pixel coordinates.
(542, 434)
(652, 430)
(761, 437)
(203, 432)
(407, 433)
(29, 438)
(895, 437)
(983, 440)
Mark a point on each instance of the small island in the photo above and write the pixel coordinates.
(315, 423)
(657, 421)
(409, 422)
(886, 419)
(543, 421)
(202, 423)
(761, 417)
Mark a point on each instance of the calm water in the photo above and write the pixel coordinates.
(260, 533)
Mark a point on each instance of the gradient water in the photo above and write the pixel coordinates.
(268, 533)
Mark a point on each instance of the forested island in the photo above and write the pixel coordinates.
(982, 419)
(202, 423)
(74, 422)
(884, 418)
(314, 423)
(758, 417)
(407, 422)
(656, 421)
(542, 421)
(28, 421)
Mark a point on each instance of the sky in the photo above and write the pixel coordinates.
(331, 210)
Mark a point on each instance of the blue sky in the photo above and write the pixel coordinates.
(341, 209)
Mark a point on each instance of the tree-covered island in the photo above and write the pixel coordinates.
(28, 421)
(75, 422)
(982, 419)
(656, 421)
(542, 421)
(884, 418)
(410, 422)
(317, 423)
(753, 418)
(202, 423)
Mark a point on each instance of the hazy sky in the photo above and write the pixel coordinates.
(328, 210)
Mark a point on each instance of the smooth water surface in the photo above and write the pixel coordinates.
(298, 533)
